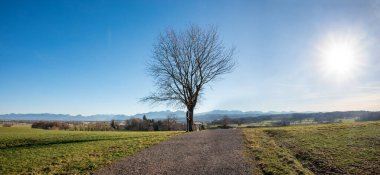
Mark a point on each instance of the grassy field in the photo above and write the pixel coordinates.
(346, 148)
(34, 151)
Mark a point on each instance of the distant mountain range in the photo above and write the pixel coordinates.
(205, 116)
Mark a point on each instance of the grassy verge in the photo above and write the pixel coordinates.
(270, 158)
(35, 151)
(348, 148)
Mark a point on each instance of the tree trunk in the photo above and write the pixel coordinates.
(190, 121)
(187, 121)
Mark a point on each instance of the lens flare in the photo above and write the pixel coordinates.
(341, 56)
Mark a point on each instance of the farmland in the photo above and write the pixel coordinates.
(345, 148)
(35, 151)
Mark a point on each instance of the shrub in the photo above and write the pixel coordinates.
(7, 125)
(51, 125)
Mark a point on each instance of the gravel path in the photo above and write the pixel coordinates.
(207, 152)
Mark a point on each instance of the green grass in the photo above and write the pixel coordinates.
(345, 148)
(34, 151)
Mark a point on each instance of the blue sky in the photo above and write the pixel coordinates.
(89, 57)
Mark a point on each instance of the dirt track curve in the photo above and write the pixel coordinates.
(207, 152)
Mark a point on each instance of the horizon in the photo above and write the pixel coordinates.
(80, 58)
(199, 113)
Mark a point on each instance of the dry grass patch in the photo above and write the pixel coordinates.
(348, 148)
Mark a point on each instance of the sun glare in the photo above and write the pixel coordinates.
(341, 56)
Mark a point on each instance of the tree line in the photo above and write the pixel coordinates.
(145, 124)
(134, 124)
(288, 119)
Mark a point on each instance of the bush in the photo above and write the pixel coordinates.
(145, 124)
(281, 123)
(51, 125)
(92, 126)
(7, 125)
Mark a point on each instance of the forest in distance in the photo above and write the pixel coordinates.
(173, 123)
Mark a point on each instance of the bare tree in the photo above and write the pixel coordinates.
(171, 122)
(113, 124)
(183, 62)
(225, 121)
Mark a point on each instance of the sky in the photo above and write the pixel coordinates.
(90, 57)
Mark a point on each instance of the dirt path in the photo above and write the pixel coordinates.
(207, 152)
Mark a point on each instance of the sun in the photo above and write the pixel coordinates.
(341, 56)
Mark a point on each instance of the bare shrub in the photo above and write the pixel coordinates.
(7, 125)
(51, 125)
